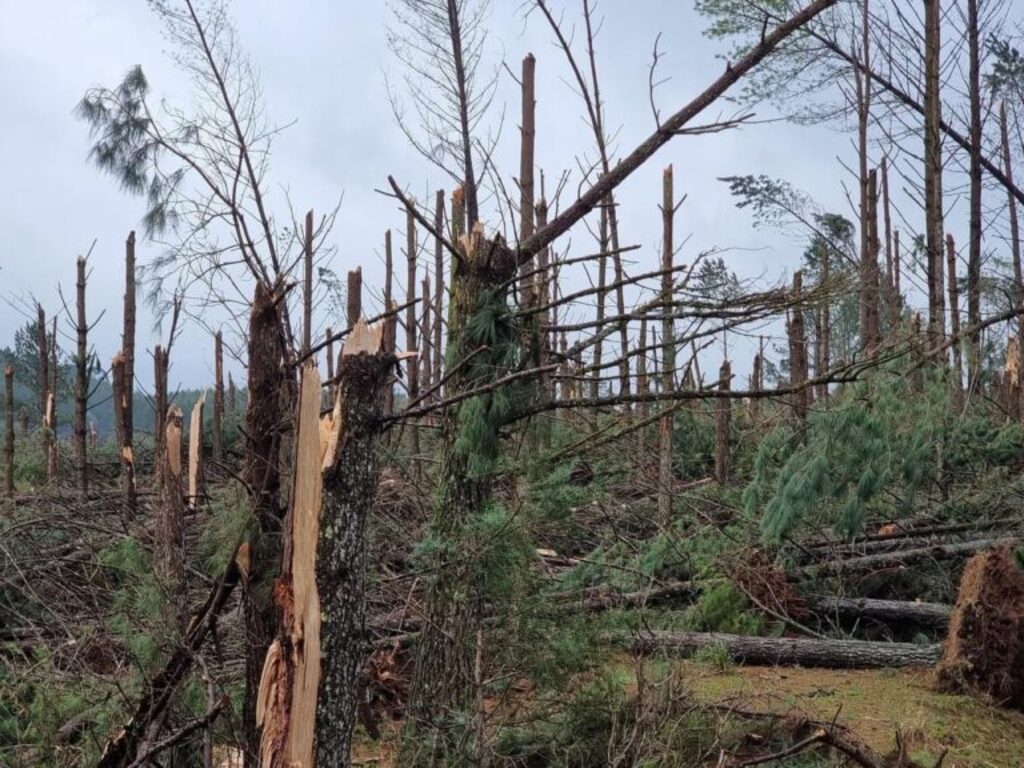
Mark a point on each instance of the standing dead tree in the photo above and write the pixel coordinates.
(127, 407)
(218, 398)
(118, 380)
(668, 351)
(9, 431)
(49, 437)
(81, 380)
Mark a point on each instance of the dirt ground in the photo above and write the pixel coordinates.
(875, 704)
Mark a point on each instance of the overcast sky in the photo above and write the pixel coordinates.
(323, 64)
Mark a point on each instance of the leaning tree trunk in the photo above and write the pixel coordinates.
(263, 419)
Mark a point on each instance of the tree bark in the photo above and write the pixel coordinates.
(902, 558)
(933, 172)
(218, 398)
(798, 351)
(81, 382)
(668, 354)
(954, 313)
(170, 522)
(805, 652)
(307, 283)
(118, 378)
(723, 419)
(350, 485)
(48, 437)
(974, 251)
(1018, 273)
(392, 323)
(263, 420)
(869, 325)
(893, 612)
(527, 134)
(160, 366)
(128, 343)
(412, 368)
(9, 431)
(438, 296)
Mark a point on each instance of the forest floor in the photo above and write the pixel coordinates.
(874, 705)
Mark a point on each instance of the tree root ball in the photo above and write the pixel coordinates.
(984, 651)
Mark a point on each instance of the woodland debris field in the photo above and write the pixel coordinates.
(559, 474)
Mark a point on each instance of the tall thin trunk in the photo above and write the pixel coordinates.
(933, 172)
(974, 251)
(723, 419)
(889, 292)
(426, 354)
(438, 294)
(825, 332)
(44, 391)
(232, 394)
(954, 312)
(128, 341)
(798, 351)
(119, 390)
(527, 132)
(755, 385)
(602, 294)
(463, 96)
(668, 354)
(545, 298)
(389, 300)
(170, 522)
(160, 366)
(263, 419)
(218, 398)
(642, 386)
(81, 382)
(869, 325)
(412, 369)
(307, 284)
(1018, 277)
(196, 455)
(9, 431)
(52, 421)
(329, 338)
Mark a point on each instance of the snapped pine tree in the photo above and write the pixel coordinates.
(9, 431)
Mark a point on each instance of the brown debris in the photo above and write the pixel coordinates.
(984, 651)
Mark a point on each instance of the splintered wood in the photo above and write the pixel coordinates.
(195, 452)
(287, 698)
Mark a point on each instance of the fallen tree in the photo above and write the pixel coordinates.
(805, 652)
(901, 558)
(930, 615)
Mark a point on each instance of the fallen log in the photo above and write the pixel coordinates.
(804, 652)
(901, 558)
(930, 615)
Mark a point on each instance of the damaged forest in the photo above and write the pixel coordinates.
(557, 473)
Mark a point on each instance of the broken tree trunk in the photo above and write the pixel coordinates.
(309, 690)
(44, 392)
(805, 652)
(218, 398)
(412, 369)
(438, 295)
(668, 353)
(9, 431)
(159, 410)
(798, 352)
(954, 312)
(351, 473)
(81, 382)
(196, 463)
(128, 350)
(1018, 275)
(426, 334)
(118, 376)
(263, 419)
(53, 463)
(170, 521)
(723, 418)
(307, 284)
